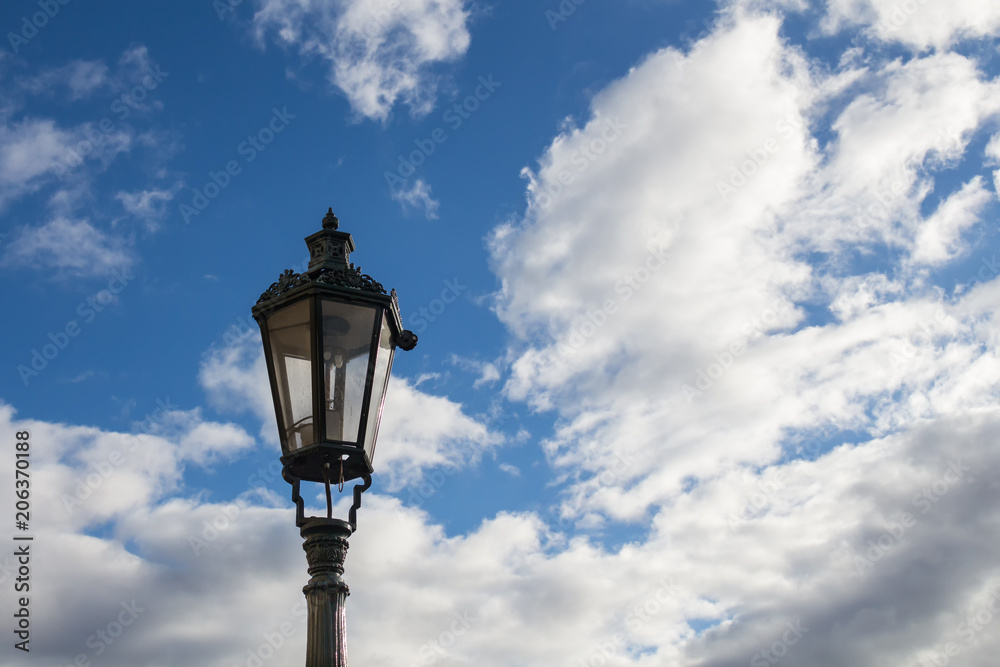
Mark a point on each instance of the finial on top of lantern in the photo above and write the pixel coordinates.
(330, 220)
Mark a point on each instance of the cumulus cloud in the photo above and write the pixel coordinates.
(421, 431)
(692, 291)
(839, 545)
(688, 335)
(379, 52)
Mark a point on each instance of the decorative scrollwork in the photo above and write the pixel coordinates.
(353, 278)
(286, 281)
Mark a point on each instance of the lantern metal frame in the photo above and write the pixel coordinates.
(331, 276)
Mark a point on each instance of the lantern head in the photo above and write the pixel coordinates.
(329, 336)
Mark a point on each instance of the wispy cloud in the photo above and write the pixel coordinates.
(417, 195)
(72, 247)
(148, 206)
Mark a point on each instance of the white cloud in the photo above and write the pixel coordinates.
(839, 547)
(36, 151)
(80, 77)
(380, 52)
(658, 289)
(908, 123)
(829, 468)
(418, 196)
(148, 206)
(71, 247)
(488, 372)
(939, 239)
(31, 150)
(920, 24)
(419, 431)
(234, 375)
(511, 470)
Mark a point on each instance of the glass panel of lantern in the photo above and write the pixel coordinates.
(288, 331)
(383, 366)
(347, 331)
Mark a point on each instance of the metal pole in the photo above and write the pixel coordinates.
(326, 548)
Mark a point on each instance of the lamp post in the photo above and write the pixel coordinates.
(329, 336)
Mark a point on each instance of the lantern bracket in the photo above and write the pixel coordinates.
(358, 490)
(300, 518)
(286, 473)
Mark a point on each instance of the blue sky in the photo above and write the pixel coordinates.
(704, 291)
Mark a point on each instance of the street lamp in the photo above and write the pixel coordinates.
(329, 335)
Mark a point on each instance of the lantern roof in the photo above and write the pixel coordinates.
(330, 267)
